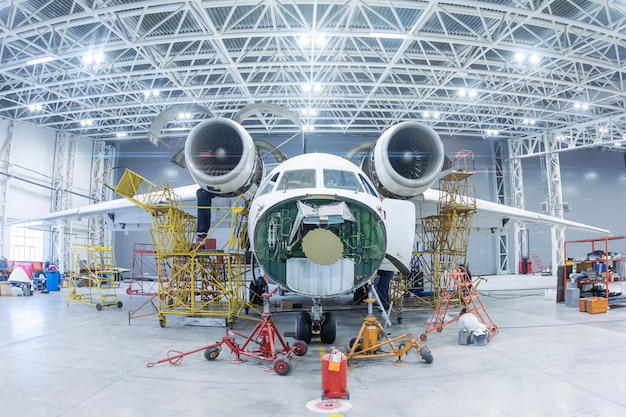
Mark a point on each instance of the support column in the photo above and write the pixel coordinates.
(103, 157)
(554, 198)
(517, 197)
(5, 156)
(62, 182)
(502, 238)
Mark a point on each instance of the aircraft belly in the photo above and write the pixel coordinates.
(308, 278)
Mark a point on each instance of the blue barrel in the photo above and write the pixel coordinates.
(52, 280)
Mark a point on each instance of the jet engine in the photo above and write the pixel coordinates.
(405, 161)
(222, 158)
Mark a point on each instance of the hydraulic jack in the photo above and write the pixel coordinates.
(373, 342)
(266, 342)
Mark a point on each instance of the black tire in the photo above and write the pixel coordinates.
(162, 321)
(426, 355)
(211, 353)
(98, 306)
(257, 288)
(119, 304)
(300, 348)
(282, 366)
(328, 330)
(281, 291)
(303, 327)
(352, 342)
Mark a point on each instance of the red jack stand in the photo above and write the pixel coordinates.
(270, 345)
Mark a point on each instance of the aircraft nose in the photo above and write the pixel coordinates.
(322, 247)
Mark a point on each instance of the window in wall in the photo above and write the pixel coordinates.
(26, 244)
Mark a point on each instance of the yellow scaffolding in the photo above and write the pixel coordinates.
(200, 282)
(93, 279)
(442, 238)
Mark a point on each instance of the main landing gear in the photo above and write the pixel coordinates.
(318, 322)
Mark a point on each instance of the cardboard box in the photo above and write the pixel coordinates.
(584, 266)
(582, 305)
(286, 304)
(5, 288)
(597, 305)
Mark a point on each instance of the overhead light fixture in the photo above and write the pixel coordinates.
(308, 112)
(520, 56)
(529, 121)
(184, 116)
(86, 122)
(491, 132)
(41, 60)
(149, 93)
(35, 107)
(534, 59)
(388, 35)
(121, 134)
(308, 128)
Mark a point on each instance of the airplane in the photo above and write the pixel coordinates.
(318, 224)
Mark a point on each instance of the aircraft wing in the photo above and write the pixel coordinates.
(120, 205)
(490, 215)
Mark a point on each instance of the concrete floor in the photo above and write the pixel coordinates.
(547, 360)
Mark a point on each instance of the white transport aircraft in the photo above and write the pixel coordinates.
(318, 224)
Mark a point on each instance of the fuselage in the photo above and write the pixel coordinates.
(316, 225)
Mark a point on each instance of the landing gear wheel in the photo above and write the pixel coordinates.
(426, 355)
(300, 348)
(119, 304)
(281, 291)
(282, 366)
(328, 330)
(352, 342)
(303, 327)
(98, 306)
(162, 321)
(211, 353)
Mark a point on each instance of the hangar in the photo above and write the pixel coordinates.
(531, 93)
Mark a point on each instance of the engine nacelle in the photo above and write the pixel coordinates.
(222, 158)
(405, 161)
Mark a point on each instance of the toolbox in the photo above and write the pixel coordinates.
(596, 305)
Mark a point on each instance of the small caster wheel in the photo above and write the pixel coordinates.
(162, 321)
(423, 337)
(211, 353)
(119, 304)
(98, 306)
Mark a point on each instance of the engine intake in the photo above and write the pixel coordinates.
(406, 160)
(222, 158)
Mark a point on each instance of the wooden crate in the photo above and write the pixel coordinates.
(582, 304)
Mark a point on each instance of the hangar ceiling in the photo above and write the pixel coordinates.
(104, 69)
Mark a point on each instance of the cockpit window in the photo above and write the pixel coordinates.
(268, 186)
(300, 178)
(369, 186)
(347, 180)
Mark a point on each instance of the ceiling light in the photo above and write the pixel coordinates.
(426, 114)
(320, 40)
(529, 121)
(35, 107)
(121, 134)
(304, 40)
(491, 132)
(308, 112)
(436, 115)
(308, 128)
(41, 60)
(473, 93)
(462, 93)
(86, 122)
(520, 56)
(534, 59)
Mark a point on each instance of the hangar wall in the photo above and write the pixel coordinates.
(30, 174)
